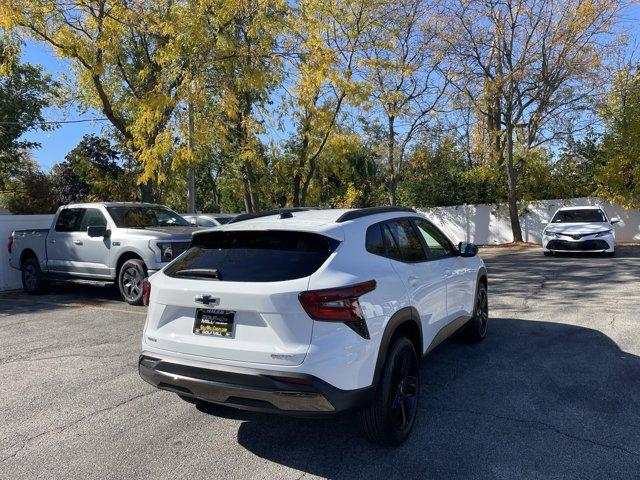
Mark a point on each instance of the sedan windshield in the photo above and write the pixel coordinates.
(138, 216)
(579, 216)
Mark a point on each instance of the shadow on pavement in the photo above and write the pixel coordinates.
(534, 400)
(58, 295)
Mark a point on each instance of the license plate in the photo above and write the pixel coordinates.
(214, 323)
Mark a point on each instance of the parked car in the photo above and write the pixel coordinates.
(208, 219)
(580, 229)
(101, 243)
(312, 312)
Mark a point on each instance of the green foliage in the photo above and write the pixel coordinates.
(92, 172)
(29, 192)
(25, 90)
(619, 175)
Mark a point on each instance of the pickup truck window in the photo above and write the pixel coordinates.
(92, 218)
(140, 217)
(69, 220)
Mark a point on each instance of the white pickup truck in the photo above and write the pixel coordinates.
(100, 243)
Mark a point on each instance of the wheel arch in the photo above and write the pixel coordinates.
(128, 255)
(26, 254)
(405, 322)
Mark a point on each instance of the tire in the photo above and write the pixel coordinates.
(130, 278)
(476, 328)
(548, 253)
(610, 254)
(388, 421)
(33, 281)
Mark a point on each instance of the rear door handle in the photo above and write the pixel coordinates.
(77, 242)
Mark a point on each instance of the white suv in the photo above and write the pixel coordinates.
(312, 312)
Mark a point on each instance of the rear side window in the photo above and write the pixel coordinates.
(374, 242)
(407, 240)
(69, 220)
(253, 256)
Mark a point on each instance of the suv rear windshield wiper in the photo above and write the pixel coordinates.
(211, 273)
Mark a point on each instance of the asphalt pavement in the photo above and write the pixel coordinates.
(553, 392)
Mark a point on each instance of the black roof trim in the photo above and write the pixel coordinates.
(267, 213)
(365, 212)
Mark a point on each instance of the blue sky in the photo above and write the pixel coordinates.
(56, 144)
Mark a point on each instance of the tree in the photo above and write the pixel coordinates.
(404, 64)
(25, 91)
(29, 191)
(526, 66)
(92, 172)
(329, 37)
(619, 175)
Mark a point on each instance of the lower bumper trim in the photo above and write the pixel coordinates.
(250, 389)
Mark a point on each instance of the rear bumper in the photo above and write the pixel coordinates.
(252, 389)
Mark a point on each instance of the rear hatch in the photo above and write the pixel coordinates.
(234, 296)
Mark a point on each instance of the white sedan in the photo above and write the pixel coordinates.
(580, 229)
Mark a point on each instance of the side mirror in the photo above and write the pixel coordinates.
(97, 231)
(614, 220)
(467, 249)
(193, 222)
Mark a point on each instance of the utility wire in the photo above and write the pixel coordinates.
(56, 122)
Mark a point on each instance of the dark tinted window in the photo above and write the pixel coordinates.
(69, 220)
(223, 220)
(407, 240)
(138, 216)
(92, 218)
(260, 256)
(437, 243)
(390, 243)
(578, 216)
(375, 243)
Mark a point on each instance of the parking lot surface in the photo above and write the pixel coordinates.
(553, 392)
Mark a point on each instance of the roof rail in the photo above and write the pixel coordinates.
(364, 212)
(284, 212)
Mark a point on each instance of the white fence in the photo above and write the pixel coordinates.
(9, 277)
(481, 224)
(489, 224)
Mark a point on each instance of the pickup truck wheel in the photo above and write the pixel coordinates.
(130, 278)
(32, 279)
(389, 419)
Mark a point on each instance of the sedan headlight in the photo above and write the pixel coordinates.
(604, 233)
(551, 234)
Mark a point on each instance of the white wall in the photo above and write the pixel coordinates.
(9, 277)
(489, 224)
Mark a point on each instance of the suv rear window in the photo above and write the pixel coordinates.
(252, 256)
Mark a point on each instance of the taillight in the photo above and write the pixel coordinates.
(338, 305)
(10, 242)
(146, 291)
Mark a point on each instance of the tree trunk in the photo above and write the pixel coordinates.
(512, 194)
(146, 192)
(392, 180)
